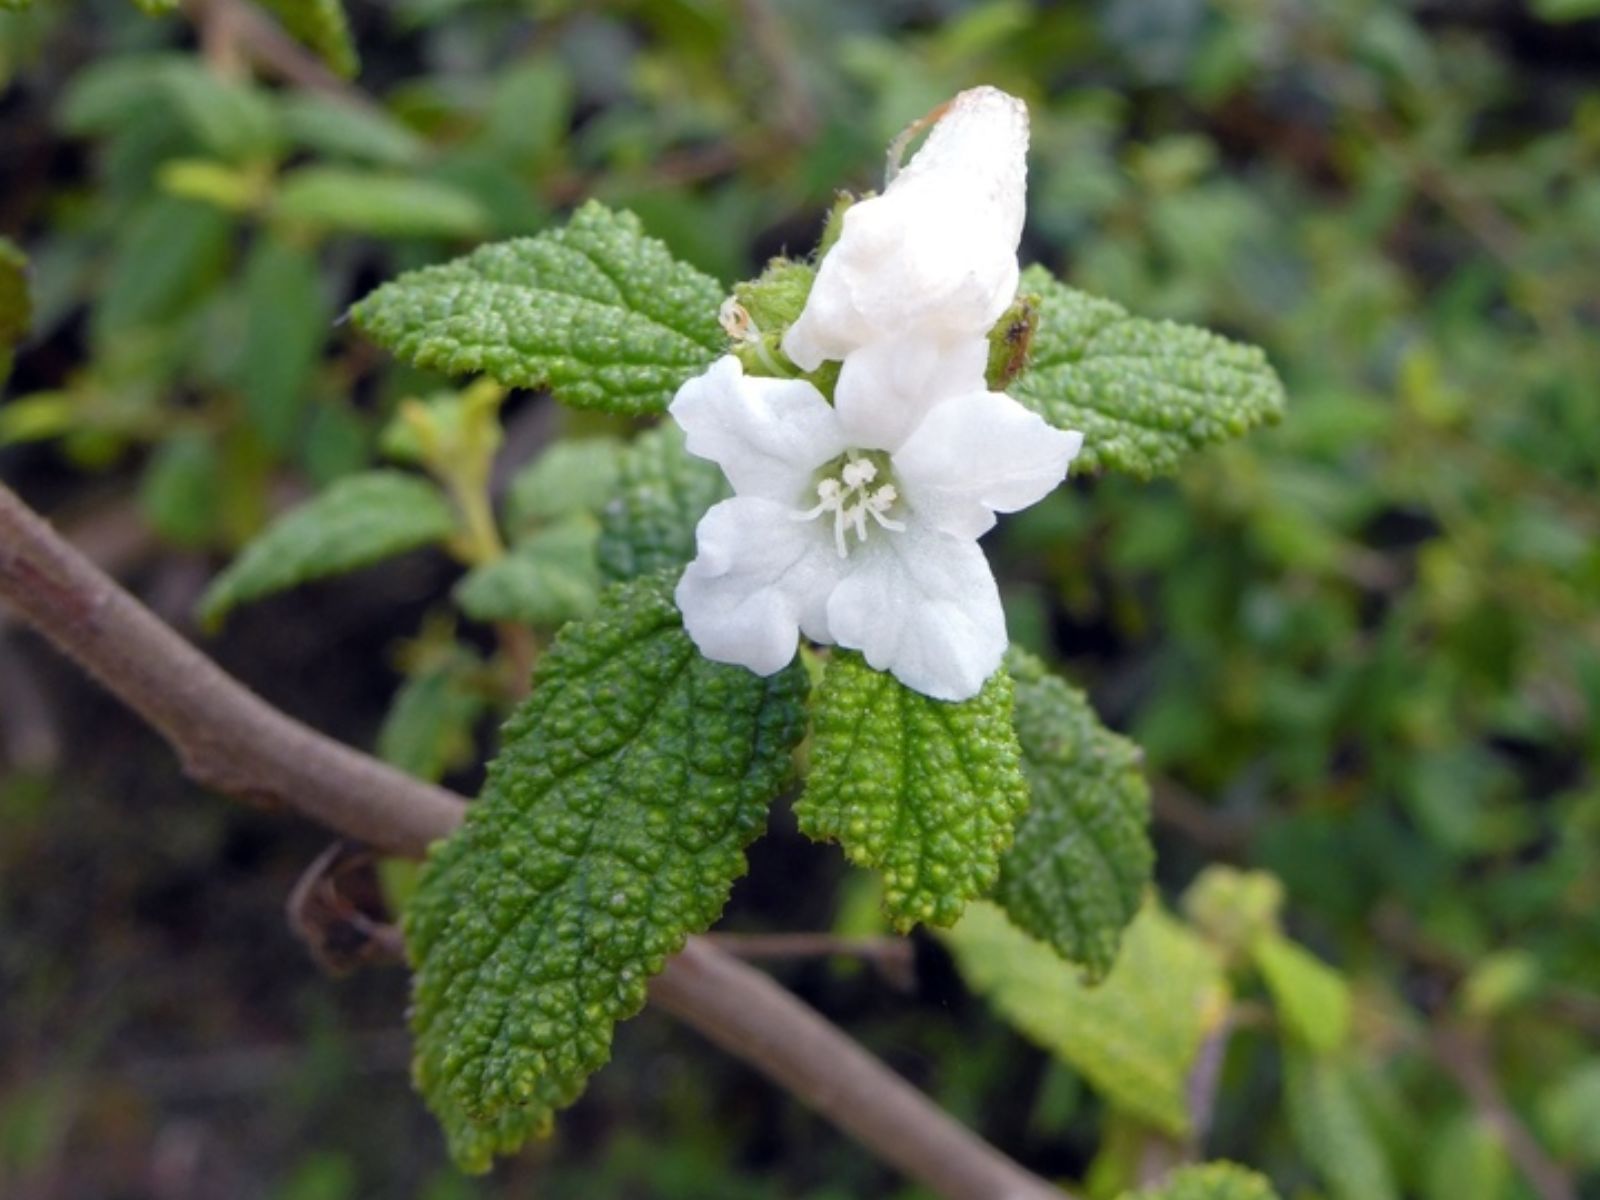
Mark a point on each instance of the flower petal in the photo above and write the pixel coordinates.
(977, 455)
(937, 251)
(885, 389)
(923, 606)
(767, 435)
(760, 578)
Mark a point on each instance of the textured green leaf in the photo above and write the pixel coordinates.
(16, 305)
(288, 322)
(1133, 1036)
(662, 492)
(597, 312)
(429, 727)
(1312, 1000)
(926, 791)
(548, 578)
(1082, 856)
(1212, 1181)
(577, 475)
(357, 521)
(1143, 393)
(322, 25)
(612, 825)
(1331, 1128)
(352, 200)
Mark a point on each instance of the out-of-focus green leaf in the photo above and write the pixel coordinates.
(287, 321)
(1082, 856)
(612, 825)
(662, 492)
(233, 120)
(1144, 393)
(1331, 1128)
(1312, 999)
(1569, 1113)
(1466, 1161)
(548, 577)
(166, 256)
(359, 520)
(574, 475)
(351, 200)
(1566, 10)
(429, 728)
(1212, 1181)
(322, 25)
(340, 130)
(926, 791)
(597, 312)
(180, 493)
(1134, 1035)
(16, 306)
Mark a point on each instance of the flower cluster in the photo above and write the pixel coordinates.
(856, 522)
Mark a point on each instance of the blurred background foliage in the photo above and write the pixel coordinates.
(1362, 651)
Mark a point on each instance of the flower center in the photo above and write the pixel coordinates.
(853, 487)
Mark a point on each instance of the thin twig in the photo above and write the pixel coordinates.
(231, 740)
(1466, 1060)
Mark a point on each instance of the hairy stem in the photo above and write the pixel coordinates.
(231, 740)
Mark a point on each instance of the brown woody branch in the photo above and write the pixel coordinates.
(232, 741)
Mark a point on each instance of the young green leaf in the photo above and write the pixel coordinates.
(1212, 1181)
(548, 578)
(357, 521)
(1331, 1128)
(428, 730)
(352, 200)
(574, 475)
(1134, 1036)
(926, 791)
(1143, 393)
(597, 312)
(322, 25)
(611, 827)
(1082, 857)
(662, 492)
(1312, 1000)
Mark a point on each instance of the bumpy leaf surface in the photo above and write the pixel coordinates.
(1082, 857)
(663, 491)
(549, 577)
(597, 312)
(322, 25)
(1134, 1035)
(358, 520)
(1143, 393)
(612, 825)
(1213, 1181)
(926, 791)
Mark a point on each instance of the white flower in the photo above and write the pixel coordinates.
(857, 523)
(936, 253)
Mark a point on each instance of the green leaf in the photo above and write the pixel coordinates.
(662, 492)
(1082, 857)
(357, 521)
(232, 120)
(288, 322)
(597, 312)
(168, 253)
(1212, 1181)
(612, 826)
(1312, 1000)
(1466, 1161)
(1133, 1036)
(180, 493)
(322, 25)
(576, 475)
(548, 578)
(1332, 1130)
(352, 200)
(1143, 393)
(336, 129)
(16, 305)
(428, 730)
(1566, 10)
(926, 791)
